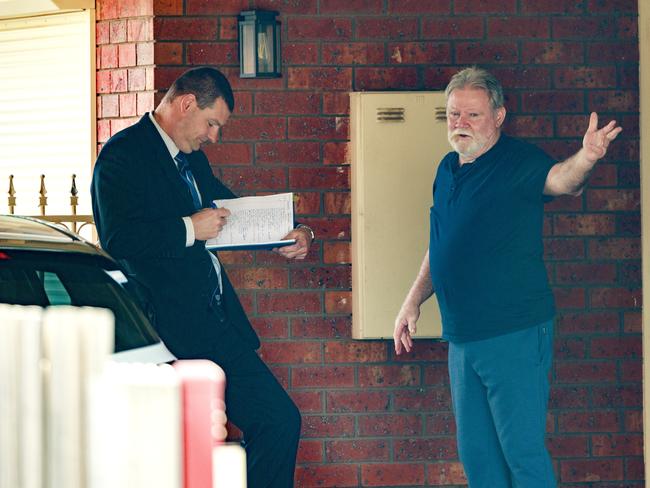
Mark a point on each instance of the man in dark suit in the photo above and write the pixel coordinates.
(152, 190)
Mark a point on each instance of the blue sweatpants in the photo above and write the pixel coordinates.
(500, 390)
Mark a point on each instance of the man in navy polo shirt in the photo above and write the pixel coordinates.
(485, 266)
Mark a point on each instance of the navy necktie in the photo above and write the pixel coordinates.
(188, 178)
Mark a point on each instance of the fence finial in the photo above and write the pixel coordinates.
(42, 198)
(12, 195)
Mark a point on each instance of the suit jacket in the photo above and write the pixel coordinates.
(139, 200)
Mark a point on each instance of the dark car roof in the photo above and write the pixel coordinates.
(27, 233)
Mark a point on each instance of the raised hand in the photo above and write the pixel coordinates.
(596, 141)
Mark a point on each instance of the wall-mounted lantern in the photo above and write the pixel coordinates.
(259, 44)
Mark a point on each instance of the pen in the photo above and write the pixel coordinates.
(213, 205)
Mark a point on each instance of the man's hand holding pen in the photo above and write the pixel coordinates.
(208, 222)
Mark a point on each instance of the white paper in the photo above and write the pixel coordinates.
(255, 222)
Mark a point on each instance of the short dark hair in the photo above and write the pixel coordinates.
(476, 77)
(206, 84)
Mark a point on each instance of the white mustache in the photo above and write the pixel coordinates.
(459, 132)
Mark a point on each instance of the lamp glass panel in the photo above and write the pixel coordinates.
(265, 48)
(248, 48)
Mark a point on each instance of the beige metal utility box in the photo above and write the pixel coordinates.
(397, 140)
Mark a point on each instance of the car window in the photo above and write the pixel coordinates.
(50, 279)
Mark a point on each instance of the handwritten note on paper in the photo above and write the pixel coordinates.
(257, 222)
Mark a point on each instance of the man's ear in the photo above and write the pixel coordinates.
(501, 116)
(186, 101)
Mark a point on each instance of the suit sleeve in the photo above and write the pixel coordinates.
(126, 225)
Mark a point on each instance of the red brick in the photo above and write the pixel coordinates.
(103, 131)
(168, 7)
(327, 426)
(293, 7)
(106, 9)
(453, 28)
(299, 53)
(389, 376)
(593, 421)
(633, 421)
(419, 53)
(355, 352)
(615, 298)
(376, 28)
(102, 33)
(103, 81)
(569, 397)
(229, 153)
(310, 452)
(627, 27)
(327, 475)
(630, 273)
(128, 106)
(390, 425)
(293, 302)
(612, 6)
(519, 27)
(594, 470)
(529, 126)
(306, 203)
(441, 423)
(614, 100)
(486, 52)
(319, 327)
(258, 179)
(612, 200)
(436, 374)
(287, 103)
(552, 101)
(337, 203)
(585, 372)
(570, 348)
(144, 53)
(291, 352)
(228, 28)
(120, 124)
(139, 30)
(485, 6)
(259, 278)
(325, 178)
(584, 225)
(527, 77)
(423, 399)
(446, 474)
(107, 56)
(586, 273)
(425, 449)
(560, 52)
(614, 248)
(118, 31)
(271, 327)
(336, 103)
(360, 53)
(357, 401)
(207, 7)
(597, 27)
(612, 52)
(418, 7)
(618, 396)
(321, 277)
(561, 7)
(338, 7)
(110, 106)
(337, 153)
(568, 447)
(287, 152)
(137, 79)
(572, 125)
(337, 302)
(437, 78)
(215, 53)
(603, 175)
(569, 298)
(585, 77)
(560, 249)
(119, 81)
(386, 78)
(184, 28)
(254, 128)
(349, 452)
(322, 78)
(336, 253)
(322, 376)
(320, 29)
(632, 322)
(392, 475)
(565, 203)
(635, 469)
(616, 347)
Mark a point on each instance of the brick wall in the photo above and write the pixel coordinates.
(369, 418)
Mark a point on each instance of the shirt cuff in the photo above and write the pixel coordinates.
(189, 232)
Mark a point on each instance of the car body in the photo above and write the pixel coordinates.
(44, 264)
